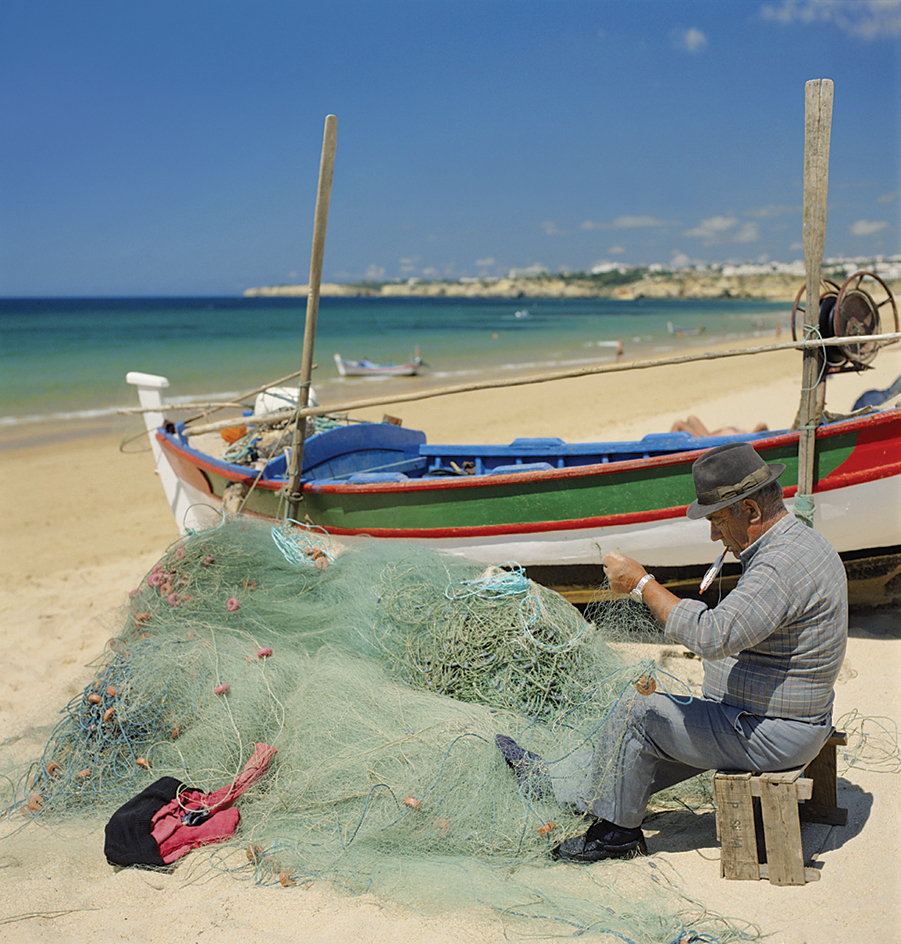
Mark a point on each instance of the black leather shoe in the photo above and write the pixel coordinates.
(531, 773)
(602, 841)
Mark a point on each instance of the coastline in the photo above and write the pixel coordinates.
(776, 287)
(448, 423)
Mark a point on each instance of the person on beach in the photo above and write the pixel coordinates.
(694, 427)
(772, 650)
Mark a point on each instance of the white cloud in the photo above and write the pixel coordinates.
(630, 222)
(375, 273)
(489, 261)
(868, 227)
(791, 11)
(772, 210)
(616, 250)
(889, 197)
(713, 227)
(719, 229)
(624, 222)
(679, 260)
(863, 19)
(550, 228)
(689, 40)
(747, 233)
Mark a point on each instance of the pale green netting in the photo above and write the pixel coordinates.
(381, 674)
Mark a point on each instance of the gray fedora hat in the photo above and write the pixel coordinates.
(727, 474)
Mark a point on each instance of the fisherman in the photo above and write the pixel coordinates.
(772, 650)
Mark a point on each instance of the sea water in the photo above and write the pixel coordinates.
(67, 358)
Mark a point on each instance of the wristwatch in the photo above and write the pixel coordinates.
(636, 591)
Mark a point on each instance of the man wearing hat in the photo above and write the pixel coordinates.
(772, 650)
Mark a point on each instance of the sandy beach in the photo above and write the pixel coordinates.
(85, 521)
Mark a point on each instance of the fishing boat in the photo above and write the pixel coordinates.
(552, 506)
(366, 368)
(684, 332)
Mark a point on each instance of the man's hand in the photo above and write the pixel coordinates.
(622, 572)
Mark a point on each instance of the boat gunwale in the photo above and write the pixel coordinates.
(229, 471)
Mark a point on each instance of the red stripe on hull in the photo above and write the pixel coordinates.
(529, 527)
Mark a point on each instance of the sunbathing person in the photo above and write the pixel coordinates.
(695, 427)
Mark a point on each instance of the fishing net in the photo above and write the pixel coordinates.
(381, 673)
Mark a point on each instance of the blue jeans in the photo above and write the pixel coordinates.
(651, 742)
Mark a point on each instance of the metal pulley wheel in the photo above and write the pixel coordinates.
(862, 301)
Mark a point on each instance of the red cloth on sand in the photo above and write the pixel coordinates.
(218, 819)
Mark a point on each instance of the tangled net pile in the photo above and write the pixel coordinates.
(381, 674)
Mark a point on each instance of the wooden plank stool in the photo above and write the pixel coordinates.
(749, 805)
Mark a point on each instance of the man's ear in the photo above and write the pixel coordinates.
(753, 512)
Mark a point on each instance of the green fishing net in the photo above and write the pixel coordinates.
(381, 673)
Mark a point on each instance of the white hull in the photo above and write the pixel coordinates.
(856, 518)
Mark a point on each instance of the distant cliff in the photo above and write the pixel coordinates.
(774, 288)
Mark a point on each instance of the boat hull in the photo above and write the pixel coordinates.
(568, 517)
(367, 369)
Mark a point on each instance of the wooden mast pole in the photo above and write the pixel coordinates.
(818, 94)
(320, 223)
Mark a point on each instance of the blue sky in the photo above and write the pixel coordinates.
(164, 148)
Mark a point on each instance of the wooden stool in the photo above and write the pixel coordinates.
(748, 805)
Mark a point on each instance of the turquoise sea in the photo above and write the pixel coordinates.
(67, 358)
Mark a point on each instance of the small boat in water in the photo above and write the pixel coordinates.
(684, 332)
(367, 368)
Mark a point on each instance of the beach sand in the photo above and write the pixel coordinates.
(84, 522)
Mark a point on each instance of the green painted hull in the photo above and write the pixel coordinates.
(564, 513)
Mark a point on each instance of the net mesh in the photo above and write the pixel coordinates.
(381, 673)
